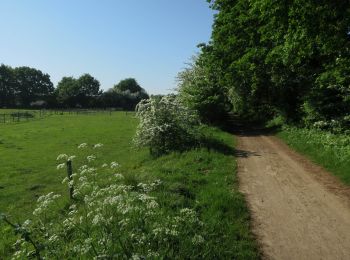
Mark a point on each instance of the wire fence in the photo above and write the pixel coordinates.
(12, 116)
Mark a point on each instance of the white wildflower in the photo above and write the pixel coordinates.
(71, 183)
(61, 166)
(114, 165)
(197, 239)
(104, 165)
(83, 145)
(119, 176)
(70, 158)
(91, 158)
(136, 257)
(83, 167)
(56, 196)
(98, 145)
(65, 180)
(62, 157)
(53, 238)
(97, 219)
(76, 193)
(26, 223)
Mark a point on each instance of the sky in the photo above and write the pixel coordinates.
(149, 40)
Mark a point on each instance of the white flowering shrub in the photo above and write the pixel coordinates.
(166, 125)
(106, 220)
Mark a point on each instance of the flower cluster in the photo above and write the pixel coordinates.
(166, 125)
(108, 218)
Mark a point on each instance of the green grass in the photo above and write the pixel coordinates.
(332, 151)
(203, 179)
(28, 152)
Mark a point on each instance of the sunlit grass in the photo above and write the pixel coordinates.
(202, 179)
(331, 151)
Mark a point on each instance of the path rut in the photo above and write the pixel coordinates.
(299, 211)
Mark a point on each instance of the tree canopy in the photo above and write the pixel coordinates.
(129, 84)
(79, 92)
(25, 87)
(288, 58)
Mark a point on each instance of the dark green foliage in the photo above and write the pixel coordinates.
(7, 91)
(270, 58)
(79, 92)
(129, 84)
(126, 94)
(31, 85)
(23, 86)
(199, 88)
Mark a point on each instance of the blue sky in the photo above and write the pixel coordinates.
(150, 40)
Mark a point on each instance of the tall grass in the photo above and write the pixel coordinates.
(332, 151)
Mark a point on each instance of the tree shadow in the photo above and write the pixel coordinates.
(245, 154)
(212, 144)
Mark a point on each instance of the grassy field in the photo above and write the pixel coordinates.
(202, 179)
(28, 152)
(329, 150)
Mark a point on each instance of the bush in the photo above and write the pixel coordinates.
(166, 125)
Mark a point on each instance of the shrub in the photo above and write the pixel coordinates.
(166, 125)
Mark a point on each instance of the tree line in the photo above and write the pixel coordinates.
(25, 87)
(266, 58)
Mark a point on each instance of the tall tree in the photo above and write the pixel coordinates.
(67, 91)
(129, 84)
(199, 88)
(7, 90)
(81, 92)
(288, 57)
(30, 85)
(88, 85)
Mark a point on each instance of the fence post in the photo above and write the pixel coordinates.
(70, 178)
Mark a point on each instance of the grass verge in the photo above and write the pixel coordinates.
(332, 151)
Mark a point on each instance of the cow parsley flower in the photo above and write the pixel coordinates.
(26, 223)
(62, 157)
(61, 166)
(114, 165)
(65, 180)
(104, 165)
(70, 158)
(83, 145)
(91, 158)
(197, 239)
(119, 176)
(53, 238)
(98, 145)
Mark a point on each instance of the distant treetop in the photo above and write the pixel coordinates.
(128, 84)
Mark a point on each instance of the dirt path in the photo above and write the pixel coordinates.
(299, 211)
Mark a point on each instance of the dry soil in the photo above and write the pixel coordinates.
(299, 211)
